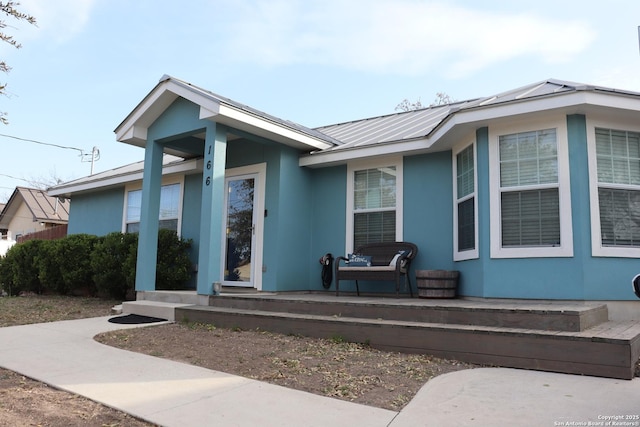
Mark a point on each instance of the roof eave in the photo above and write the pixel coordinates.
(478, 116)
(119, 180)
(133, 130)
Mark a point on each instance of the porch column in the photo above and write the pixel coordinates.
(149, 214)
(212, 213)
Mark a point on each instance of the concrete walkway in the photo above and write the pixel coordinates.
(64, 355)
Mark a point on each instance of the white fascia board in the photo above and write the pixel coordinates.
(574, 99)
(136, 125)
(249, 122)
(209, 106)
(135, 135)
(342, 156)
(123, 179)
(146, 112)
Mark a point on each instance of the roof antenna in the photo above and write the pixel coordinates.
(93, 157)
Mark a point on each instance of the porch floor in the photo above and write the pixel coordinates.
(569, 337)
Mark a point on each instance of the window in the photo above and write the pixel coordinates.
(374, 200)
(465, 224)
(529, 189)
(530, 204)
(169, 208)
(618, 184)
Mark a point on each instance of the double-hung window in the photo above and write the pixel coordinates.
(374, 203)
(530, 195)
(465, 208)
(170, 198)
(617, 154)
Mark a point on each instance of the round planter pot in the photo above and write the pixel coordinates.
(437, 283)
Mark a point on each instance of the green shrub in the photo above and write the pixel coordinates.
(83, 264)
(20, 271)
(5, 275)
(74, 257)
(48, 265)
(113, 263)
(173, 269)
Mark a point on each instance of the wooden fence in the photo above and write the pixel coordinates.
(53, 233)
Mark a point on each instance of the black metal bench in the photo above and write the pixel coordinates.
(382, 268)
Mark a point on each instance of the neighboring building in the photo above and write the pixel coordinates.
(29, 211)
(531, 194)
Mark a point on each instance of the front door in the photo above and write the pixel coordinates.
(240, 246)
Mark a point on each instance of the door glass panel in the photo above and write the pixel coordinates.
(240, 230)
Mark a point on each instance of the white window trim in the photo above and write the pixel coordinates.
(470, 253)
(352, 167)
(597, 249)
(165, 181)
(564, 190)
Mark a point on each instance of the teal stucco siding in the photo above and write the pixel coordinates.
(328, 219)
(97, 213)
(428, 209)
(293, 223)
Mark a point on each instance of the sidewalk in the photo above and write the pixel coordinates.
(168, 393)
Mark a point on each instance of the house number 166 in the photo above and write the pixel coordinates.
(208, 179)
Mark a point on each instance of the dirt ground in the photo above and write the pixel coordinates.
(334, 368)
(25, 402)
(352, 372)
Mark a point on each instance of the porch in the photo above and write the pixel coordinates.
(564, 337)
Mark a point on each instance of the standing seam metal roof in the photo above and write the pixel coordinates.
(418, 124)
(43, 207)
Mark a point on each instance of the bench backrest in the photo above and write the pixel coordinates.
(383, 253)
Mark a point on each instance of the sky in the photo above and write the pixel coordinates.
(88, 63)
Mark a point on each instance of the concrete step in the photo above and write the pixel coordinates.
(162, 310)
(608, 350)
(527, 315)
(176, 297)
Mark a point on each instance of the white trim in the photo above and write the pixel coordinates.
(597, 249)
(122, 176)
(352, 167)
(258, 170)
(166, 180)
(133, 130)
(558, 122)
(234, 117)
(471, 253)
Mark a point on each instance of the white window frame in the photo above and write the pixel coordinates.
(165, 181)
(565, 249)
(352, 167)
(597, 249)
(469, 253)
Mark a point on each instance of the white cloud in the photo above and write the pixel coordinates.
(58, 20)
(397, 36)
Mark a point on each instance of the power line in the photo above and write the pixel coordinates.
(14, 177)
(92, 157)
(44, 143)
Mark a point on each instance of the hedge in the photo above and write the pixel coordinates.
(82, 264)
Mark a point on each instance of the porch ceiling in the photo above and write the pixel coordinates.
(133, 130)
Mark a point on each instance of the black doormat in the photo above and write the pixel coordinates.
(135, 319)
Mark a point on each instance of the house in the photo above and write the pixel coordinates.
(533, 193)
(29, 211)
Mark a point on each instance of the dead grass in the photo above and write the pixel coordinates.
(40, 309)
(328, 367)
